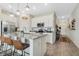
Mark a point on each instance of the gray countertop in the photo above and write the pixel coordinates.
(34, 35)
(27, 35)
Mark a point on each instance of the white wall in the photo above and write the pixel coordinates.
(75, 33)
(72, 34)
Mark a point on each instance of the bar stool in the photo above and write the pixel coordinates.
(1, 38)
(20, 46)
(2, 43)
(9, 43)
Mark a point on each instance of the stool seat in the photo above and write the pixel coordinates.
(19, 45)
(25, 45)
(8, 41)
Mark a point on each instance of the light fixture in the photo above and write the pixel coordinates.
(18, 12)
(11, 15)
(62, 17)
(27, 7)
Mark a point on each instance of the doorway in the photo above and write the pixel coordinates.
(58, 31)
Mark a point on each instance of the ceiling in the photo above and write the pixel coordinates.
(61, 9)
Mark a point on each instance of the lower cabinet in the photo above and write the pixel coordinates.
(43, 45)
(50, 38)
(38, 46)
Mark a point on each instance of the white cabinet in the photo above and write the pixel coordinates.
(38, 46)
(48, 20)
(43, 45)
(50, 38)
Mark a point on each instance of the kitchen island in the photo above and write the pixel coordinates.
(37, 43)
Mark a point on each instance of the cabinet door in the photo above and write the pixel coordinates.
(50, 38)
(37, 47)
(43, 45)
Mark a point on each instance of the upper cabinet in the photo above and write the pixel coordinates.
(48, 20)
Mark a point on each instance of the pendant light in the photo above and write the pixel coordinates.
(18, 11)
(27, 7)
(10, 7)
